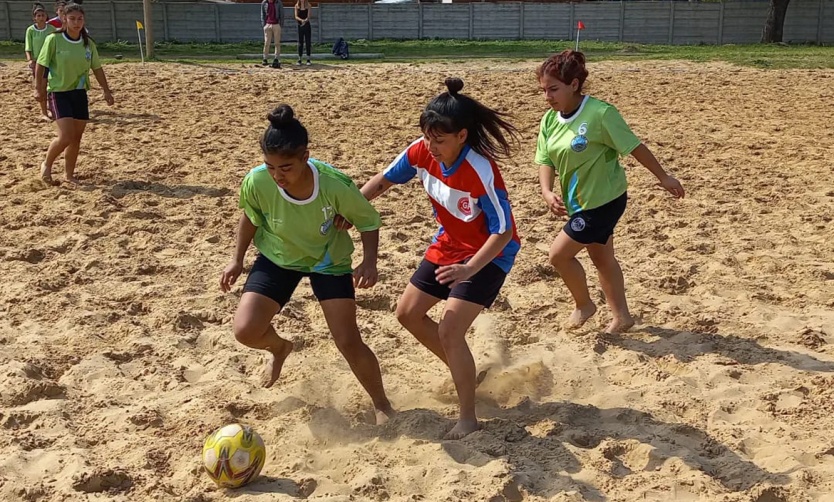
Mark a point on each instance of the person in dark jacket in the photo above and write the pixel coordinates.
(272, 19)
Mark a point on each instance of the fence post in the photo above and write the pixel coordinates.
(165, 21)
(819, 21)
(622, 20)
(572, 19)
(370, 21)
(721, 24)
(420, 21)
(321, 21)
(471, 20)
(113, 20)
(521, 21)
(671, 22)
(9, 20)
(217, 25)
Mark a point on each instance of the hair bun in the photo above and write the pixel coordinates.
(281, 116)
(454, 85)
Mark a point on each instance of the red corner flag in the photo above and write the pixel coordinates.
(580, 25)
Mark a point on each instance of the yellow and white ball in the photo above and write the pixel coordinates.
(233, 455)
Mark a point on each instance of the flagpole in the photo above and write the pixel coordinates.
(139, 36)
(577, 40)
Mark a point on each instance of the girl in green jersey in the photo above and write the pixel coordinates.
(69, 55)
(580, 141)
(35, 37)
(289, 204)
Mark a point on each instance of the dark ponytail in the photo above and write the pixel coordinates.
(285, 134)
(74, 7)
(488, 133)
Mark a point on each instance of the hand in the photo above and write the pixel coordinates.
(40, 95)
(365, 275)
(108, 97)
(32, 64)
(672, 186)
(452, 275)
(555, 204)
(230, 275)
(47, 113)
(341, 223)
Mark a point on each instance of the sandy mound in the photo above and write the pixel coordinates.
(116, 352)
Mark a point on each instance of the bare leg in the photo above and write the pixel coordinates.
(563, 257)
(456, 320)
(411, 312)
(613, 285)
(340, 315)
(71, 153)
(253, 328)
(66, 133)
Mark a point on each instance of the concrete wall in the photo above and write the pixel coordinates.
(633, 21)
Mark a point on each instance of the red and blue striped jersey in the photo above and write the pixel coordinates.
(469, 199)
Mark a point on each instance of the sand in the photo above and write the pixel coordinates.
(117, 356)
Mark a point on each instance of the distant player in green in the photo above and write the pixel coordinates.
(289, 204)
(580, 141)
(69, 55)
(35, 37)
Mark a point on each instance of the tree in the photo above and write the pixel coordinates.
(775, 21)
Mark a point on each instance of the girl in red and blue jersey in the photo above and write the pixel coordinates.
(477, 242)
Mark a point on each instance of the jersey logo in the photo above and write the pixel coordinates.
(464, 206)
(577, 224)
(329, 215)
(580, 142)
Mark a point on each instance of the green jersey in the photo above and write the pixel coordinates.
(584, 150)
(35, 39)
(299, 234)
(69, 62)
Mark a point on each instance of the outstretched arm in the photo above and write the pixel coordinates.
(645, 157)
(376, 186)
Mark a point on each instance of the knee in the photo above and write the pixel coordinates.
(248, 333)
(350, 345)
(448, 337)
(558, 260)
(604, 263)
(407, 316)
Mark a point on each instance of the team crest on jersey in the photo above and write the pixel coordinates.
(89, 55)
(329, 215)
(580, 142)
(464, 206)
(577, 224)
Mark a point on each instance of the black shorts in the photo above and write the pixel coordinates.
(278, 283)
(595, 226)
(482, 288)
(69, 105)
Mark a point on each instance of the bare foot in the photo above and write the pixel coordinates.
(46, 175)
(274, 364)
(581, 315)
(384, 414)
(74, 180)
(620, 325)
(462, 429)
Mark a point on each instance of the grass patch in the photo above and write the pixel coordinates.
(775, 56)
